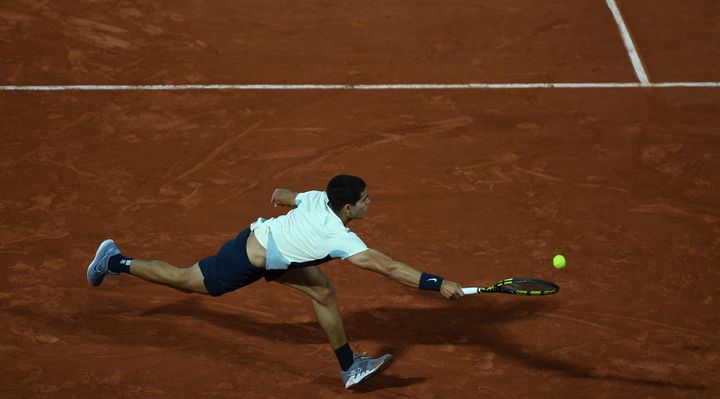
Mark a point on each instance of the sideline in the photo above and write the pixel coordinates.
(629, 45)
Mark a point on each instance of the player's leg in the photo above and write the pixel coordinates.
(185, 279)
(109, 261)
(313, 282)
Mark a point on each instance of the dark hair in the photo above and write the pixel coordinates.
(344, 189)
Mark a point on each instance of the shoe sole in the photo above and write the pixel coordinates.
(99, 254)
(382, 367)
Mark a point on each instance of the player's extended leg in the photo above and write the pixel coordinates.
(109, 261)
(185, 279)
(355, 368)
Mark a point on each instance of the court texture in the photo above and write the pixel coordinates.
(492, 135)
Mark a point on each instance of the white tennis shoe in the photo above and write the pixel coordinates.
(364, 367)
(98, 268)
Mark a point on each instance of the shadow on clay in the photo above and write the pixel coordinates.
(384, 381)
(375, 383)
(471, 323)
(462, 324)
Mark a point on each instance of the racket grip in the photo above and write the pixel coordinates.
(471, 290)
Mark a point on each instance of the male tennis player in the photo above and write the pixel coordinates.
(289, 249)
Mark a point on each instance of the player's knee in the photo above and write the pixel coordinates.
(181, 278)
(325, 293)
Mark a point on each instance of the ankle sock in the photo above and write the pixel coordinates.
(119, 264)
(345, 356)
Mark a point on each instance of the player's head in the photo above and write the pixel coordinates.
(348, 196)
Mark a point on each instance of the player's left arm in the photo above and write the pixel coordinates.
(284, 197)
(405, 274)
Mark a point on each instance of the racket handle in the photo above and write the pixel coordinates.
(471, 290)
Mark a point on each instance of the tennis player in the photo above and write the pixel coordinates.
(288, 249)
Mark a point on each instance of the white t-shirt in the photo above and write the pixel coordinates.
(307, 235)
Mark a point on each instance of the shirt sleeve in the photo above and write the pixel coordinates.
(346, 246)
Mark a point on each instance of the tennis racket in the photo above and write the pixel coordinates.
(517, 286)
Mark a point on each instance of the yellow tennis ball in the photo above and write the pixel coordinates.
(559, 261)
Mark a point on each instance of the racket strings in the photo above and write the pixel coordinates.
(525, 286)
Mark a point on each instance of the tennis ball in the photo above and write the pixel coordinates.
(559, 261)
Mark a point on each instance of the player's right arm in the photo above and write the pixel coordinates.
(284, 197)
(402, 273)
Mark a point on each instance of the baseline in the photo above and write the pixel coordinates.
(423, 86)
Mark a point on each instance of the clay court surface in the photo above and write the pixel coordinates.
(476, 185)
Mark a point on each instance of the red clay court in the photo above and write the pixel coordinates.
(539, 128)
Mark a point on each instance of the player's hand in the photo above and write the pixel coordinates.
(451, 290)
(283, 196)
(275, 199)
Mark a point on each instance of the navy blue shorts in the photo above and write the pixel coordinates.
(231, 269)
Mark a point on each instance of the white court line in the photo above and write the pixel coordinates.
(629, 45)
(686, 84)
(452, 86)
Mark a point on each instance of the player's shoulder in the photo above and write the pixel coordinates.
(312, 196)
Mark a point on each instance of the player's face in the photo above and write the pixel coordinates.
(361, 207)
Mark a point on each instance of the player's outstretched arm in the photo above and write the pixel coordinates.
(284, 197)
(405, 274)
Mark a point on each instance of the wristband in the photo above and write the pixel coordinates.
(430, 282)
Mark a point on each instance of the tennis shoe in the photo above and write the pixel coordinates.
(364, 367)
(98, 268)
